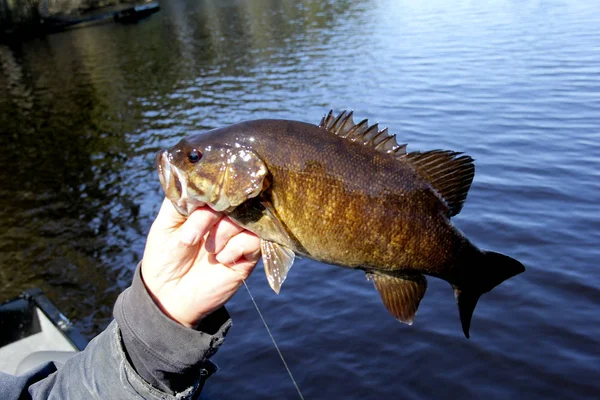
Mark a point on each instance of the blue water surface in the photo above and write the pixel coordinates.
(514, 84)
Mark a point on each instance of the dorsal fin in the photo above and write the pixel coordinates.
(449, 172)
(343, 126)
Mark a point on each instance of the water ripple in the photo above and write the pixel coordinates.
(516, 85)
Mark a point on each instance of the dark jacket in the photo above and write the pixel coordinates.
(141, 354)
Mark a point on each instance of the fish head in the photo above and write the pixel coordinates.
(197, 172)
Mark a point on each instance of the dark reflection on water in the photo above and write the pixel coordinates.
(514, 84)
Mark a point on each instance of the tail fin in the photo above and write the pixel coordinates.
(493, 269)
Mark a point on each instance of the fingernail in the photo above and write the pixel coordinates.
(210, 244)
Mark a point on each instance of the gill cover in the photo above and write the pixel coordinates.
(229, 176)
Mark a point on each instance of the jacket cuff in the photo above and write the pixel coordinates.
(167, 355)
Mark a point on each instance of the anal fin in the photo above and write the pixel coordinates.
(278, 260)
(401, 295)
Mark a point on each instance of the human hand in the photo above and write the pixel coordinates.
(192, 267)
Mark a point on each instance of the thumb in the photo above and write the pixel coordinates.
(168, 217)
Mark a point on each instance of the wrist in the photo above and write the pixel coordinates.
(165, 309)
(159, 295)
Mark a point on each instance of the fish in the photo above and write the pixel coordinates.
(345, 194)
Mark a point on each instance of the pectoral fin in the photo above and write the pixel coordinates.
(277, 260)
(400, 295)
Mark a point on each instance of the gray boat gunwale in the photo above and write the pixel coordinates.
(30, 300)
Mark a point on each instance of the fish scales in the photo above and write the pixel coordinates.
(392, 220)
(307, 190)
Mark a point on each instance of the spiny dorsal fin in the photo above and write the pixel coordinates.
(449, 172)
(343, 126)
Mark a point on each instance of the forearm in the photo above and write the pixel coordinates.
(142, 354)
(166, 354)
(98, 372)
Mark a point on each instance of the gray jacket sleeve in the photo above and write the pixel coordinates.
(142, 354)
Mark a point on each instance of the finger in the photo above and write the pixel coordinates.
(242, 247)
(198, 224)
(220, 234)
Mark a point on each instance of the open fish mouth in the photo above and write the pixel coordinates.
(174, 183)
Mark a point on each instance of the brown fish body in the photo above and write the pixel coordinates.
(349, 205)
(344, 202)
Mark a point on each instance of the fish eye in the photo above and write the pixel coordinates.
(194, 156)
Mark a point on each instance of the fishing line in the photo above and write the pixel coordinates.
(273, 340)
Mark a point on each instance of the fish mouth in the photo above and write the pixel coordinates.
(174, 184)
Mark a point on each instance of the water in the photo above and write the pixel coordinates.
(515, 84)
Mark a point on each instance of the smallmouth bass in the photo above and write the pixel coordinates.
(344, 194)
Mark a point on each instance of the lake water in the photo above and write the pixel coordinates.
(515, 84)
